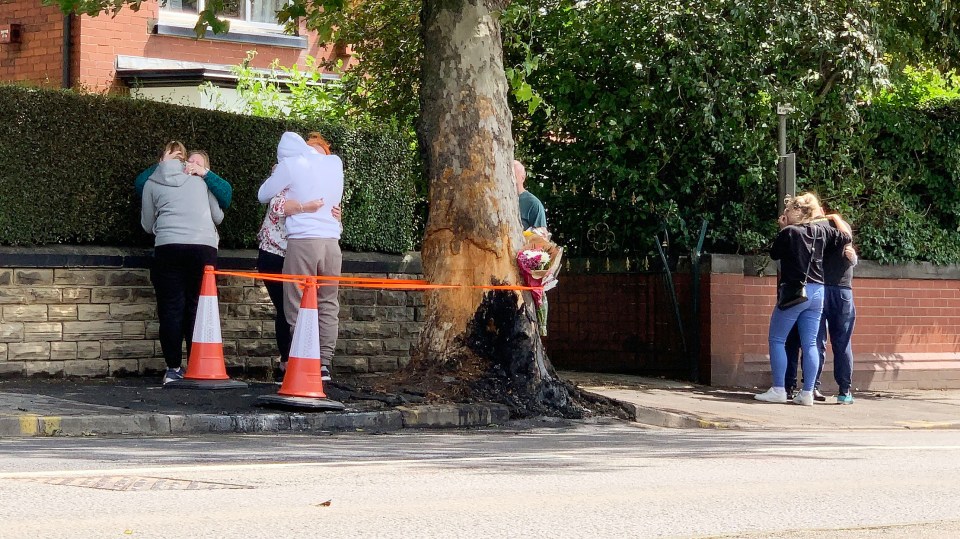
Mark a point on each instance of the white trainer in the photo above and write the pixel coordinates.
(774, 394)
(804, 398)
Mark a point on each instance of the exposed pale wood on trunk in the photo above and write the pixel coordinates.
(473, 231)
(465, 133)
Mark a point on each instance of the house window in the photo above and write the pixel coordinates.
(255, 11)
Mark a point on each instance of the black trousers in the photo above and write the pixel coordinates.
(272, 263)
(176, 275)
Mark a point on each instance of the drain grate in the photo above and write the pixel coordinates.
(131, 483)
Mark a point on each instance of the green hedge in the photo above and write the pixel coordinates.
(894, 175)
(674, 122)
(68, 161)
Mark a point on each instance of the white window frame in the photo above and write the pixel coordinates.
(240, 23)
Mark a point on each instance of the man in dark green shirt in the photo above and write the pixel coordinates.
(532, 214)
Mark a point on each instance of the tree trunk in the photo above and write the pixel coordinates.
(473, 231)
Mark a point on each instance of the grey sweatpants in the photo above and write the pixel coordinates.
(315, 257)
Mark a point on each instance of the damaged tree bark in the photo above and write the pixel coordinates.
(473, 231)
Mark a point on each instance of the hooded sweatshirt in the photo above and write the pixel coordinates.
(178, 207)
(309, 175)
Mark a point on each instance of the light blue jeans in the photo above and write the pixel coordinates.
(807, 318)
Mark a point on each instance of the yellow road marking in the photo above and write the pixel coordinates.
(929, 424)
(51, 425)
(28, 425)
(35, 425)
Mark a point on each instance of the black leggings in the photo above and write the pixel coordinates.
(271, 263)
(176, 275)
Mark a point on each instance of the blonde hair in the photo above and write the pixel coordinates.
(175, 146)
(316, 140)
(203, 154)
(807, 204)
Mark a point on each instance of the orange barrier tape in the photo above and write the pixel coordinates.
(366, 282)
(301, 278)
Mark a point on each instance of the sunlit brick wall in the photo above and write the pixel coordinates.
(611, 319)
(38, 58)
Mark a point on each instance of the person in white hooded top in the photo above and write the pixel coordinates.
(313, 238)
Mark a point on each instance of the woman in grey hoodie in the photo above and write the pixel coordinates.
(182, 214)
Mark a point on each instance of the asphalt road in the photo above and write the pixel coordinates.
(599, 479)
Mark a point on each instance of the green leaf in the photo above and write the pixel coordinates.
(524, 92)
(535, 102)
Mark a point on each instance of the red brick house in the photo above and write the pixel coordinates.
(152, 52)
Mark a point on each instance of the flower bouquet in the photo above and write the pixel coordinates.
(539, 260)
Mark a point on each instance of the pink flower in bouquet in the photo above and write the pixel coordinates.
(534, 259)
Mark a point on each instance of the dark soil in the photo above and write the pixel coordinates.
(358, 393)
(471, 380)
(147, 395)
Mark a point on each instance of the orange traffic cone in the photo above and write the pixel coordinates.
(205, 368)
(302, 383)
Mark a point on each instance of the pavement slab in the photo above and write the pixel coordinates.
(674, 404)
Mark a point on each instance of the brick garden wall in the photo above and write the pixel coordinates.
(101, 321)
(91, 312)
(907, 331)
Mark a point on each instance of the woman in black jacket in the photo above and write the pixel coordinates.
(799, 247)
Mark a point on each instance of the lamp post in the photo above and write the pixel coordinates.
(787, 165)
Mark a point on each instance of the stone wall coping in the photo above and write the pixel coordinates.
(866, 269)
(762, 265)
(69, 256)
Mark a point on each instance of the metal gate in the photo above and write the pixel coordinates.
(640, 318)
(618, 322)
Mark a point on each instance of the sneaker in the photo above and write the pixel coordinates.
(325, 373)
(804, 398)
(845, 398)
(173, 375)
(817, 396)
(772, 395)
(279, 371)
(791, 392)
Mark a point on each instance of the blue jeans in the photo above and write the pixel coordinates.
(793, 354)
(839, 318)
(807, 317)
